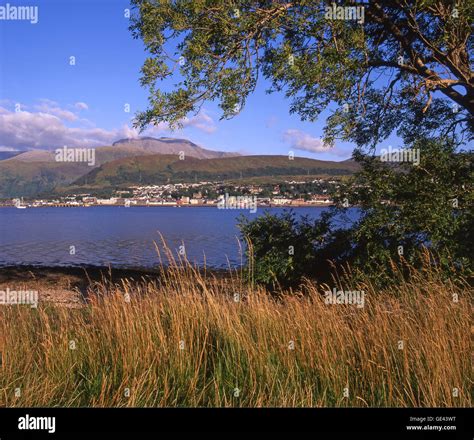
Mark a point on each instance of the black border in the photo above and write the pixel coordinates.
(374, 422)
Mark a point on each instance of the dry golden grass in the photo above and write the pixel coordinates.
(189, 341)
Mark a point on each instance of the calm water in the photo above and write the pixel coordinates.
(122, 237)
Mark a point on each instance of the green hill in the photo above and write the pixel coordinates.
(30, 179)
(39, 175)
(157, 169)
(35, 173)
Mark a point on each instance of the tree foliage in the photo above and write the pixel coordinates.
(382, 74)
(405, 207)
(405, 67)
(284, 247)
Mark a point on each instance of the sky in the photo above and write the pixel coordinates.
(47, 102)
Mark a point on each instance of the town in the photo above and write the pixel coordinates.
(285, 194)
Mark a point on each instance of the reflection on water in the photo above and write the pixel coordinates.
(121, 237)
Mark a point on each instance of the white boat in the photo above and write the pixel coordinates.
(19, 204)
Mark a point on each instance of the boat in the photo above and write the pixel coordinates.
(19, 204)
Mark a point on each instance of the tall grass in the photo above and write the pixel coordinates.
(192, 339)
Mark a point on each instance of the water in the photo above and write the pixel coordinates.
(122, 237)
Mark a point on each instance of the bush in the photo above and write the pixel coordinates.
(404, 208)
(282, 249)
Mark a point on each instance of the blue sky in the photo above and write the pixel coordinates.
(84, 104)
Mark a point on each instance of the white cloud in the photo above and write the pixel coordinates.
(52, 108)
(81, 106)
(45, 126)
(202, 121)
(47, 131)
(299, 140)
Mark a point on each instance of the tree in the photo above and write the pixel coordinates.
(384, 70)
(405, 207)
(399, 66)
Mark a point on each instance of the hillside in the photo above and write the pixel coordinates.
(128, 148)
(29, 179)
(158, 169)
(165, 145)
(149, 161)
(35, 172)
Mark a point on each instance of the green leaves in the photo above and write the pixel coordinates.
(390, 69)
(284, 248)
(404, 208)
(402, 204)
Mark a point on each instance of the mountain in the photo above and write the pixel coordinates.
(102, 155)
(129, 147)
(165, 145)
(157, 169)
(35, 172)
(148, 161)
(33, 156)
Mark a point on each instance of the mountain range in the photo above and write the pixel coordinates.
(147, 161)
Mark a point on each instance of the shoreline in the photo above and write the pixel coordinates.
(313, 205)
(91, 272)
(68, 286)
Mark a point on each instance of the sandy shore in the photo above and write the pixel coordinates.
(66, 286)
